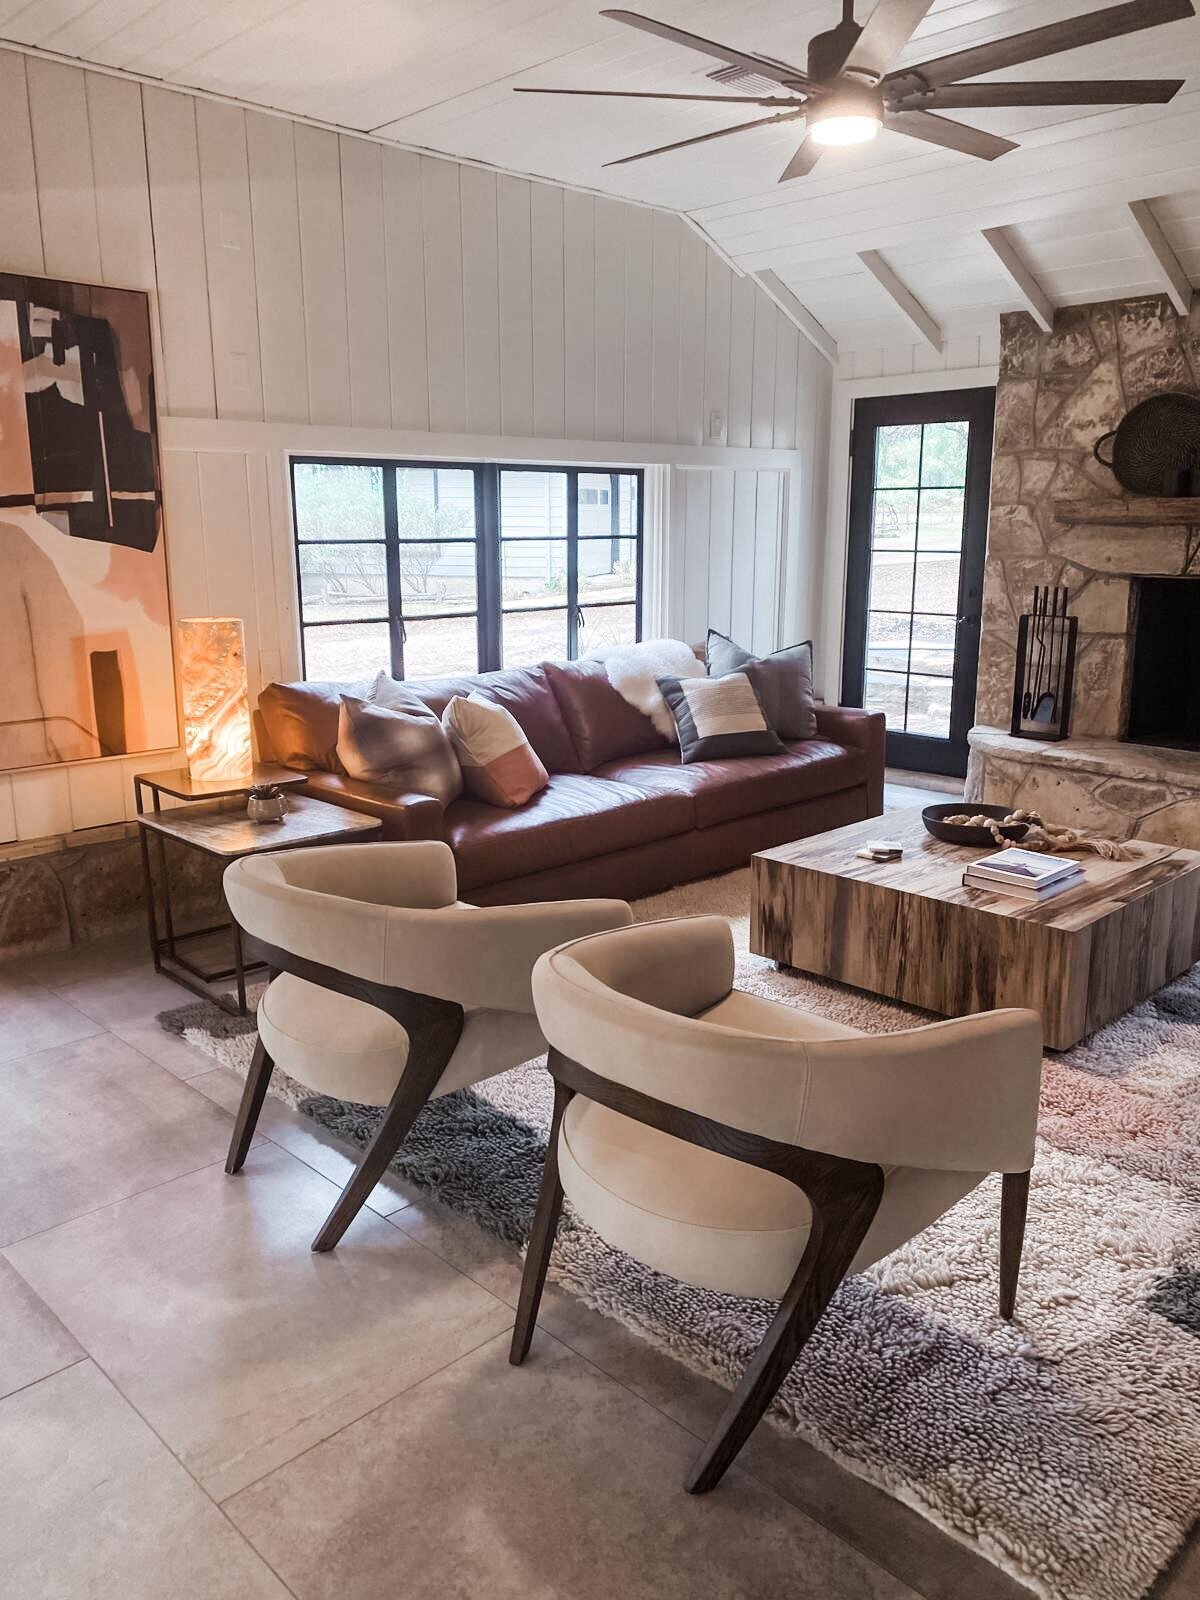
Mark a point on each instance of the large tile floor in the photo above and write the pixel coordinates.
(194, 1407)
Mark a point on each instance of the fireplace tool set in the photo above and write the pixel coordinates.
(1046, 638)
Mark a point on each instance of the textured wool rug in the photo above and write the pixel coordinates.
(1065, 1447)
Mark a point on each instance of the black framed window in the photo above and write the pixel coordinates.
(429, 569)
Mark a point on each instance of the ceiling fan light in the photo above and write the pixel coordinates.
(845, 130)
(851, 115)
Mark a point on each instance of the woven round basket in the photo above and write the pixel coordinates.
(1156, 447)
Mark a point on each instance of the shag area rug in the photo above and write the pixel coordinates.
(1064, 1447)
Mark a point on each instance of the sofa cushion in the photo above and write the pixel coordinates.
(573, 818)
(601, 722)
(722, 791)
(498, 762)
(523, 691)
(784, 681)
(301, 720)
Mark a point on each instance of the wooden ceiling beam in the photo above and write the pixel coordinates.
(903, 297)
(1037, 302)
(817, 335)
(1168, 268)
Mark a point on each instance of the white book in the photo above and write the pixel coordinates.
(1021, 891)
(1025, 866)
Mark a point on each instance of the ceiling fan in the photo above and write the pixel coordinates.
(846, 92)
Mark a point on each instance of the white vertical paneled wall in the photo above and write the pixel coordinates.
(299, 276)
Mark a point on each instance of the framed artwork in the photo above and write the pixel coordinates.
(85, 628)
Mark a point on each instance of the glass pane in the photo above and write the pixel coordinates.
(532, 636)
(933, 645)
(348, 653)
(437, 577)
(337, 502)
(435, 502)
(437, 647)
(891, 582)
(940, 525)
(944, 453)
(607, 569)
(895, 521)
(533, 572)
(604, 625)
(898, 456)
(533, 505)
(887, 640)
(929, 706)
(885, 692)
(342, 581)
(937, 584)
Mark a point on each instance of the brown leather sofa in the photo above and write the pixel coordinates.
(621, 815)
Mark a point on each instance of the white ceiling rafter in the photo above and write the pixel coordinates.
(1037, 302)
(793, 309)
(903, 297)
(1175, 281)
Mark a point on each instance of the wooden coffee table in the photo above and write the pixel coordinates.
(908, 929)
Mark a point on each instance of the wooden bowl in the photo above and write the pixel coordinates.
(934, 818)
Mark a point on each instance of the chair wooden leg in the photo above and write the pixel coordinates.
(839, 1226)
(253, 1095)
(399, 1117)
(541, 1239)
(1014, 1206)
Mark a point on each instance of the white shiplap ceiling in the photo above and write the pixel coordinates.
(439, 74)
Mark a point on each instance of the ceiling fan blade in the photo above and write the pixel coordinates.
(1091, 28)
(778, 71)
(952, 135)
(1102, 92)
(652, 94)
(885, 33)
(802, 163)
(703, 138)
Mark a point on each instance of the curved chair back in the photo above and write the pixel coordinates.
(959, 1095)
(388, 914)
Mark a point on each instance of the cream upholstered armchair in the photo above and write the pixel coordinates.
(742, 1145)
(386, 989)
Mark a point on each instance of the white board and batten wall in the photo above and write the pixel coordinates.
(317, 292)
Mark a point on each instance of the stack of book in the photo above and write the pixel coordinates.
(1024, 873)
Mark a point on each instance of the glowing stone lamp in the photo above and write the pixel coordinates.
(216, 698)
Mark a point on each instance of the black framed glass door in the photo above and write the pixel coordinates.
(920, 473)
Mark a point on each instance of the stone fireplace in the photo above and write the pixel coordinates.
(1131, 766)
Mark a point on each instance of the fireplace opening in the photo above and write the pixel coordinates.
(1164, 699)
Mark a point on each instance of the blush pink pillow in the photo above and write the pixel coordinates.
(498, 763)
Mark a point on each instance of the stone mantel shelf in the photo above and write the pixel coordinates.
(1131, 511)
(1110, 758)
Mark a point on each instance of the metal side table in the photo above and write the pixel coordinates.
(209, 824)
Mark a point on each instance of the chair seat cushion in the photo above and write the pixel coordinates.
(572, 819)
(334, 1045)
(726, 790)
(713, 1221)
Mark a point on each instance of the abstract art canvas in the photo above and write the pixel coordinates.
(85, 633)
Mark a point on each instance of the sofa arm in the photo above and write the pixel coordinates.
(859, 730)
(404, 816)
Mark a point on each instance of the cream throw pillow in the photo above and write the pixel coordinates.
(498, 762)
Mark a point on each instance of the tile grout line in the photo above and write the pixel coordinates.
(22, 1388)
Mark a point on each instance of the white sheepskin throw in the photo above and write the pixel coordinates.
(632, 669)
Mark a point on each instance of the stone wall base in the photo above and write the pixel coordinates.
(1123, 791)
(61, 892)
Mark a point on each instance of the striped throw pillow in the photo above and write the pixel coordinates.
(498, 763)
(719, 717)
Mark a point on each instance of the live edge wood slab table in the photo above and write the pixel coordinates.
(909, 930)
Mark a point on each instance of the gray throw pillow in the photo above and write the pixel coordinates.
(719, 717)
(784, 681)
(408, 750)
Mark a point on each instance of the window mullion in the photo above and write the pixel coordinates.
(572, 565)
(487, 564)
(395, 589)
